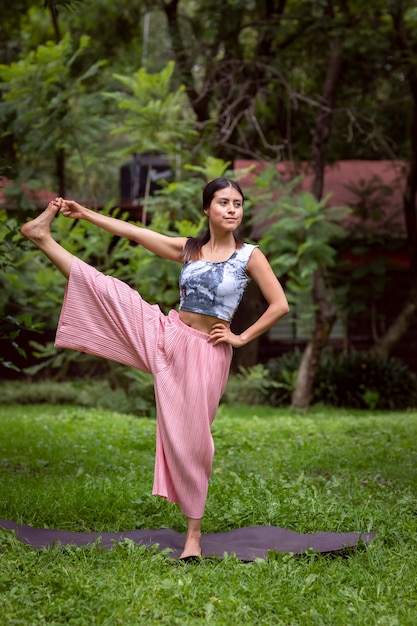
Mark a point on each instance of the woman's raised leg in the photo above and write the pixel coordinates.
(39, 233)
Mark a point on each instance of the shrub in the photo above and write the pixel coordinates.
(250, 386)
(134, 394)
(363, 380)
(356, 380)
(283, 371)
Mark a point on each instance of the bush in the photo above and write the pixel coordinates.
(283, 371)
(356, 380)
(363, 380)
(252, 385)
(134, 395)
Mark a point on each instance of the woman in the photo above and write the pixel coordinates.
(189, 351)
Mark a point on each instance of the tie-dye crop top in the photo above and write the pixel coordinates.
(215, 288)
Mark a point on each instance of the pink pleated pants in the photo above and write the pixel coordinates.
(103, 316)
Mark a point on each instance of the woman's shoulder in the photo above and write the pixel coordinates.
(246, 249)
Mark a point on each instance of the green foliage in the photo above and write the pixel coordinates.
(361, 276)
(301, 239)
(299, 234)
(155, 117)
(357, 380)
(362, 380)
(214, 41)
(361, 273)
(251, 386)
(283, 371)
(44, 96)
(129, 391)
(8, 229)
(51, 108)
(271, 384)
(211, 167)
(14, 318)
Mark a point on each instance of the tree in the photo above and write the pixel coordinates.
(404, 18)
(226, 58)
(48, 105)
(301, 242)
(271, 79)
(325, 311)
(155, 117)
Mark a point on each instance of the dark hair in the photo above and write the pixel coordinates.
(192, 249)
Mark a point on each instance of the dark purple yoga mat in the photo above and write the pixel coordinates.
(247, 544)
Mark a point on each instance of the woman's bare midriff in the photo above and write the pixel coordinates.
(203, 323)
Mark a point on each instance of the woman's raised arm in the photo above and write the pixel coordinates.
(162, 245)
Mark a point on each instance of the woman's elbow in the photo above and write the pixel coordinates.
(281, 310)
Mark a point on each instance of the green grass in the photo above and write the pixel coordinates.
(81, 469)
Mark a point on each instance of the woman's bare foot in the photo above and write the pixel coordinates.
(39, 233)
(36, 230)
(192, 546)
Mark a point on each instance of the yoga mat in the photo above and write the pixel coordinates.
(247, 544)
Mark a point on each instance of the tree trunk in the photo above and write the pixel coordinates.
(198, 101)
(400, 325)
(323, 128)
(407, 315)
(325, 312)
(60, 172)
(324, 319)
(54, 16)
(60, 154)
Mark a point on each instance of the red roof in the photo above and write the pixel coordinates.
(373, 189)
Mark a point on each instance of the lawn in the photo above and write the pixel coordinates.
(333, 470)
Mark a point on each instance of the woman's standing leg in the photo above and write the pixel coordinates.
(38, 232)
(187, 395)
(192, 543)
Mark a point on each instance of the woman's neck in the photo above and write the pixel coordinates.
(220, 243)
(218, 248)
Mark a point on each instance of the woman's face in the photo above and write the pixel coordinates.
(226, 209)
